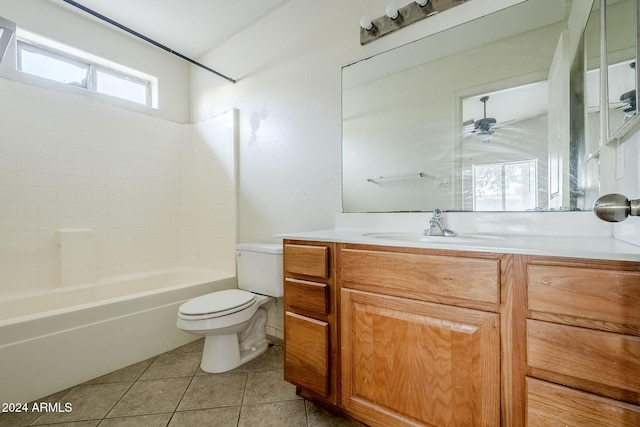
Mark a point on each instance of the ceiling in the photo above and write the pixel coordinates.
(190, 27)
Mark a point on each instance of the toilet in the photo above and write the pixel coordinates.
(233, 321)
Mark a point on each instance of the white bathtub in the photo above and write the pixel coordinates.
(55, 339)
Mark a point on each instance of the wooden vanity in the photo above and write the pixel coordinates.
(399, 336)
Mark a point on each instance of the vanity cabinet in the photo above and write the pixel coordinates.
(310, 305)
(412, 352)
(583, 342)
(397, 336)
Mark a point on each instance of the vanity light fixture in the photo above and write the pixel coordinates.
(366, 23)
(396, 18)
(392, 11)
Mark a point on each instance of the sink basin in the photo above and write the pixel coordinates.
(419, 237)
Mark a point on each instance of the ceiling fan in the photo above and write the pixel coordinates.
(484, 127)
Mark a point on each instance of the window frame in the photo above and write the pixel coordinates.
(92, 70)
(531, 163)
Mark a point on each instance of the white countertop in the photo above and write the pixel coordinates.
(593, 246)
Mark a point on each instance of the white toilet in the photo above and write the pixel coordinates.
(234, 320)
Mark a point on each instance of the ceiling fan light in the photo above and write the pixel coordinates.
(484, 136)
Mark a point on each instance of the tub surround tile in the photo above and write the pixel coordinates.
(219, 417)
(211, 391)
(151, 397)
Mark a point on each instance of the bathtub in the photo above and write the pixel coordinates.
(54, 339)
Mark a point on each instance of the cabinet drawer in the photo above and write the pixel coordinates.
(553, 405)
(306, 356)
(308, 296)
(418, 275)
(604, 363)
(307, 260)
(602, 299)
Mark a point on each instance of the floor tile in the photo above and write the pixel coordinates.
(214, 390)
(218, 417)
(151, 397)
(154, 420)
(277, 414)
(88, 402)
(130, 373)
(268, 386)
(92, 423)
(170, 389)
(20, 419)
(193, 347)
(173, 365)
(271, 359)
(320, 417)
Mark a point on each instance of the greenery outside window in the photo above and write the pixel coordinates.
(511, 186)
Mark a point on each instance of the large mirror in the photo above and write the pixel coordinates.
(477, 117)
(621, 63)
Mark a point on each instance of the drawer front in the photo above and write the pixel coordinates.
(553, 405)
(604, 363)
(306, 358)
(307, 260)
(610, 300)
(308, 296)
(417, 275)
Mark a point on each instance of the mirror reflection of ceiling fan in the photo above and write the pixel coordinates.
(627, 102)
(484, 127)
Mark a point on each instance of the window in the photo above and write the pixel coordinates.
(62, 67)
(505, 186)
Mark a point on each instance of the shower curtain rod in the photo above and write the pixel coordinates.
(145, 38)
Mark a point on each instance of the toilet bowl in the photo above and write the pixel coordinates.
(233, 321)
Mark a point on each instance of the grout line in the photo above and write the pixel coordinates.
(128, 389)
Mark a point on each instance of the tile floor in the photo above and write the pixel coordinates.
(171, 390)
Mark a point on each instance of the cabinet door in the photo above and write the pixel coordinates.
(407, 362)
(306, 358)
(554, 405)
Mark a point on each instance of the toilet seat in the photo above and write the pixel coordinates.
(216, 304)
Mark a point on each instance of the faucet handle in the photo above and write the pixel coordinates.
(437, 213)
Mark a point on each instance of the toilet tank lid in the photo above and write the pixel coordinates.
(270, 248)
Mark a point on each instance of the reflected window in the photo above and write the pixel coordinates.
(505, 186)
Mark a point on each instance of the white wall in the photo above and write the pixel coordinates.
(157, 193)
(627, 182)
(77, 29)
(70, 162)
(288, 95)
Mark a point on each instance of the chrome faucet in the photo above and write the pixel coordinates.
(437, 227)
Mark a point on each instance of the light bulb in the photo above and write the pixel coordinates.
(366, 23)
(422, 3)
(392, 11)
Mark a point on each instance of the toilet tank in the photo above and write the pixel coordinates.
(260, 268)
